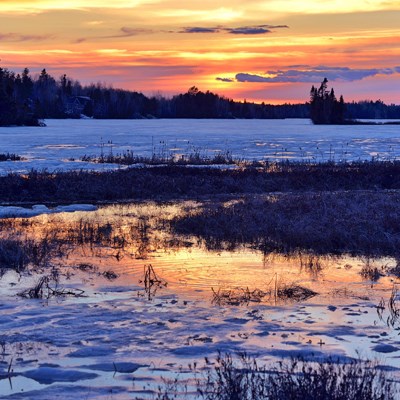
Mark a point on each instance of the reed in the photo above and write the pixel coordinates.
(245, 378)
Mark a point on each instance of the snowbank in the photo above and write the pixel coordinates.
(22, 212)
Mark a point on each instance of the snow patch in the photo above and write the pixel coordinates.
(121, 367)
(385, 348)
(22, 212)
(48, 375)
(94, 351)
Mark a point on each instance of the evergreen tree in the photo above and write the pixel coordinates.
(324, 107)
(7, 103)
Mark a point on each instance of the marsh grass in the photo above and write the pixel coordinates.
(237, 296)
(25, 244)
(110, 275)
(358, 223)
(152, 282)
(295, 293)
(162, 158)
(92, 269)
(394, 307)
(88, 232)
(392, 317)
(10, 157)
(371, 272)
(40, 243)
(176, 181)
(244, 378)
(17, 253)
(13, 254)
(311, 263)
(283, 293)
(47, 287)
(395, 270)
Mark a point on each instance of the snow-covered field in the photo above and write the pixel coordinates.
(122, 338)
(54, 146)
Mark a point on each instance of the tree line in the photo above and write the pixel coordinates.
(27, 99)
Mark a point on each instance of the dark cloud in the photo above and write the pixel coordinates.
(298, 66)
(254, 30)
(15, 37)
(388, 71)
(247, 30)
(241, 30)
(198, 29)
(225, 79)
(316, 74)
(245, 77)
(126, 31)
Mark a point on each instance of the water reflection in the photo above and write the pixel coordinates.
(119, 242)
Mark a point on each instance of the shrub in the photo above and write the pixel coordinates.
(243, 378)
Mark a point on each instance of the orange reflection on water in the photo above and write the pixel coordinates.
(126, 238)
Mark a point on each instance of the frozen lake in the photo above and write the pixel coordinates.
(54, 146)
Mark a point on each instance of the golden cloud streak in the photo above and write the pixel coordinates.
(221, 14)
(45, 5)
(328, 7)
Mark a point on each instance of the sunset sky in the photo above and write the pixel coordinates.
(259, 50)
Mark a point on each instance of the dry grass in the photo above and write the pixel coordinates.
(47, 287)
(174, 181)
(32, 242)
(392, 316)
(371, 272)
(152, 282)
(279, 293)
(243, 378)
(10, 157)
(295, 293)
(359, 223)
(17, 253)
(237, 296)
(164, 158)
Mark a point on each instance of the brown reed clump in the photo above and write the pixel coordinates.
(359, 223)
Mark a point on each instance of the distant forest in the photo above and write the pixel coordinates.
(27, 99)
